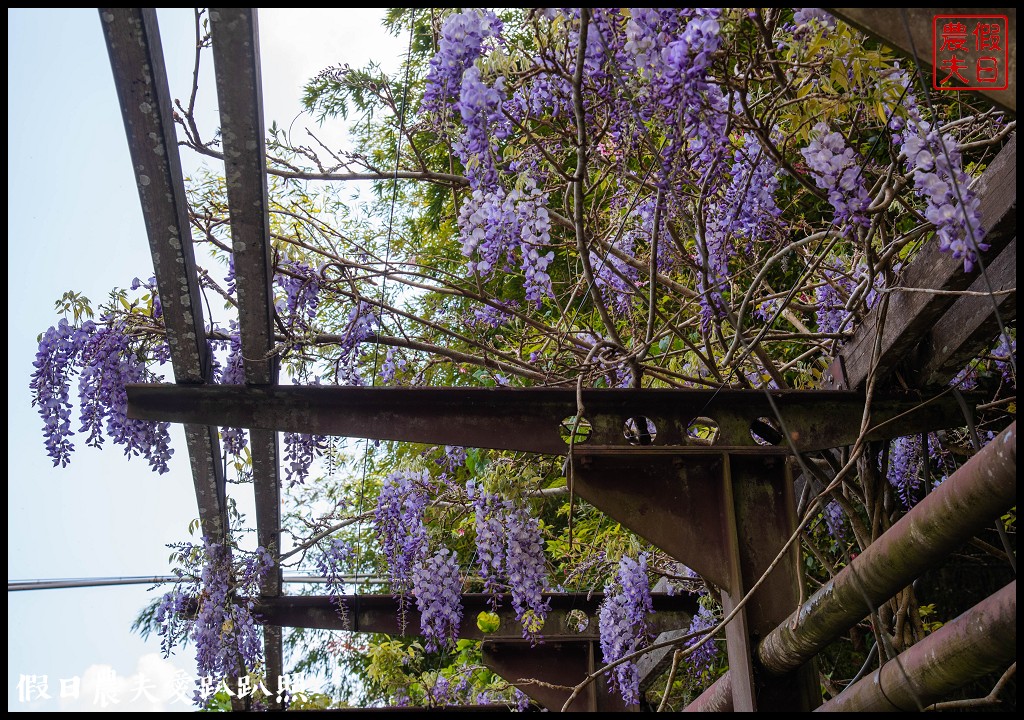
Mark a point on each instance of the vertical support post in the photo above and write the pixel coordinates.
(765, 517)
(727, 515)
(737, 632)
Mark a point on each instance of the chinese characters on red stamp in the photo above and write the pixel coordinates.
(970, 52)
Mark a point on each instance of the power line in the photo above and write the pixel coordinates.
(68, 583)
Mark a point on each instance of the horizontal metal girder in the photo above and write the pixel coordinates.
(534, 419)
(380, 614)
(548, 673)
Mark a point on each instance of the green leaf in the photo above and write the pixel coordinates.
(488, 622)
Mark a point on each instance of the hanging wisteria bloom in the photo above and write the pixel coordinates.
(233, 373)
(905, 468)
(489, 513)
(836, 169)
(361, 326)
(60, 348)
(437, 585)
(398, 521)
(225, 631)
(300, 451)
(744, 210)
(527, 570)
(933, 160)
(703, 658)
(106, 361)
(462, 42)
(301, 285)
(623, 624)
(331, 564)
(805, 16)
(833, 515)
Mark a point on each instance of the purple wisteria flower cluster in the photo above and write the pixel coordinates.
(617, 279)
(905, 468)
(833, 516)
(60, 348)
(495, 223)
(301, 285)
(832, 296)
(526, 569)
(836, 169)
(331, 563)
(933, 160)
(399, 523)
(392, 365)
(435, 580)
(453, 458)
(623, 624)
(510, 553)
(703, 658)
(489, 316)
(462, 42)
(223, 628)
(744, 210)
(489, 513)
(805, 16)
(300, 451)
(105, 360)
(361, 326)
(673, 48)
(437, 585)
(232, 372)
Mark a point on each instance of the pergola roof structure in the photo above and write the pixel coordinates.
(939, 329)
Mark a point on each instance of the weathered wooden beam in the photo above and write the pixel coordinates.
(140, 77)
(911, 315)
(891, 26)
(969, 326)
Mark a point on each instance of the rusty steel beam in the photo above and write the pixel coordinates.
(236, 54)
(968, 500)
(380, 614)
(491, 707)
(968, 327)
(727, 516)
(983, 640)
(717, 698)
(911, 315)
(140, 77)
(528, 419)
(891, 26)
(559, 666)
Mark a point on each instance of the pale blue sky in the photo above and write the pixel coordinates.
(74, 223)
